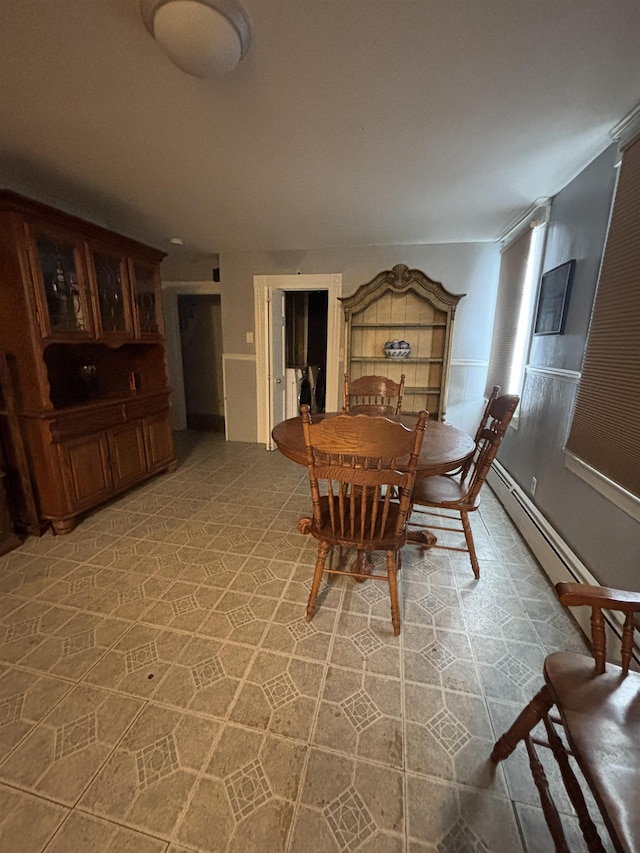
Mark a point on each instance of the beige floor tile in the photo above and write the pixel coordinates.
(263, 577)
(253, 779)
(361, 715)
(25, 698)
(440, 657)
(213, 568)
(29, 626)
(451, 818)
(362, 642)
(184, 606)
(277, 545)
(509, 670)
(233, 538)
(206, 676)
(349, 805)
(61, 755)
(130, 596)
(8, 604)
(147, 781)
(449, 736)
(280, 695)
(427, 602)
(240, 617)
(35, 576)
(330, 593)
(81, 586)
(83, 832)
(290, 633)
(139, 661)
(26, 822)
(75, 647)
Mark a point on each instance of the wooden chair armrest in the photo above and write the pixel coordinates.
(574, 594)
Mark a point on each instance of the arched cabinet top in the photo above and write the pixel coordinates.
(400, 280)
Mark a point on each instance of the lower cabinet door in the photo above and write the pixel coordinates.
(159, 441)
(128, 461)
(87, 470)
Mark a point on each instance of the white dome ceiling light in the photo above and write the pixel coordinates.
(206, 38)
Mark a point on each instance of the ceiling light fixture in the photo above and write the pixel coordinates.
(206, 38)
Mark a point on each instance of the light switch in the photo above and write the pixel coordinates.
(249, 337)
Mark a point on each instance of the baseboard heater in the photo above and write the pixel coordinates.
(556, 558)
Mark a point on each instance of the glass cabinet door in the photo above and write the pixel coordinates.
(61, 273)
(145, 298)
(110, 277)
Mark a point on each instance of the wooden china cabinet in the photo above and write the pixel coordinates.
(403, 304)
(81, 329)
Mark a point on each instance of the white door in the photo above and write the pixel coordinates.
(266, 287)
(276, 371)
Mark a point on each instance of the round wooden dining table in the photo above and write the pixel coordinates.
(444, 448)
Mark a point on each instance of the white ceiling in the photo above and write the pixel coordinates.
(349, 122)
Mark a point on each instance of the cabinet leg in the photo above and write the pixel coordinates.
(64, 525)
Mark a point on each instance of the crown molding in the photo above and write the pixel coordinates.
(536, 214)
(628, 127)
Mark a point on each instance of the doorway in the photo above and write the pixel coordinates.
(200, 322)
(272, 394)
(306, 349)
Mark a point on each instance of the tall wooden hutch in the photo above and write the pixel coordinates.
(81, 335)
(406, 305)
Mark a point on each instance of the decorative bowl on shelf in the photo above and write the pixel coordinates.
(397, 349)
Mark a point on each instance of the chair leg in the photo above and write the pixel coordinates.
(323, 550)
(468, 535)
(572, 787)
(524, 722)
(392, 575)
(551, 814)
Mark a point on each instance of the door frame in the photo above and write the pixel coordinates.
(263, 286)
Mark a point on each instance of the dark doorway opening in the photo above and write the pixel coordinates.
(201, 344)
(306, 313)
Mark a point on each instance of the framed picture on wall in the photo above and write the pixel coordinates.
(553, 299)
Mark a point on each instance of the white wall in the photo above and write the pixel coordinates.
(469, 268)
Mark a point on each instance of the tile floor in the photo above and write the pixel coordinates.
(160, 689)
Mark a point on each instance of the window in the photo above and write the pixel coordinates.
(605, 432)
(519, 269)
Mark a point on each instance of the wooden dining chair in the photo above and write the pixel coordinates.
(355, 465)
(590, 713)
(460, 492)
(484, 420)
(373, 395)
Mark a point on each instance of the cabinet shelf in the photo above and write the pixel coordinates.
(383, 326)
(409, 360)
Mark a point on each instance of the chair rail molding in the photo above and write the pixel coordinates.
(554, 373)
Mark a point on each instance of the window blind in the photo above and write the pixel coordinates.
(511, 282)
(605, 432)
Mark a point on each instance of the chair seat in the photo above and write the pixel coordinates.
(366, 538)
(601, 714)
(442, 490)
